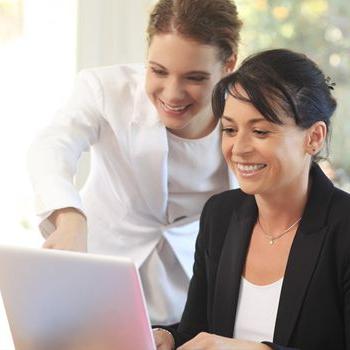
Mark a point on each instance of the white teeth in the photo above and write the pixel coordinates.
(250, 167)
(174, 109)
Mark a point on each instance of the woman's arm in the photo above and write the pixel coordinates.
(195, 316)
(347, 297)
(54, 154)
(70, 230)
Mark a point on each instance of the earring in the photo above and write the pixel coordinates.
(312, 151)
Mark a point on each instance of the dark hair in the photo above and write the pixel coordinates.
(279, 82)
(211, 22)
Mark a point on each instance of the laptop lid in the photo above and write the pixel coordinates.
(73, 301)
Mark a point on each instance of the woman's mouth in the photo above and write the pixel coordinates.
(174, 109)
(248, 170)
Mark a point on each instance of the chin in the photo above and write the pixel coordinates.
(251, 190)
(248, 191)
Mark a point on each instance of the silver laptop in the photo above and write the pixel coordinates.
(57, 300)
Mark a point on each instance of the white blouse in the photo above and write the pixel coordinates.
(196, 171)
(257, 310)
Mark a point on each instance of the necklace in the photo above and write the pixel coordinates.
(272, 239)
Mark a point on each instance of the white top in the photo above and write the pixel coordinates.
(192, 179)
(196, 171)
(126, 197)
(257, 310)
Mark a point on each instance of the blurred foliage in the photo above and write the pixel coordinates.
(321, 30)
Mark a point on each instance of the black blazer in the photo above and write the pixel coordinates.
(314, 307)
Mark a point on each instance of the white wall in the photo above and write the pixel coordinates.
(111, 31)
(37, 70)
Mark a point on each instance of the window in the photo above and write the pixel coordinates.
(37, 68)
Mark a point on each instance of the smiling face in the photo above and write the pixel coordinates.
(267, 158)
(181, 75)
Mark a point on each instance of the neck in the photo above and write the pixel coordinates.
(197, 128)
(277, 212)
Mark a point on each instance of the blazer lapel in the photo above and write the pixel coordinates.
(303, 256)
(301, 263)
(230, 267)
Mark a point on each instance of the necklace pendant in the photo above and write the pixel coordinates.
(271, 241)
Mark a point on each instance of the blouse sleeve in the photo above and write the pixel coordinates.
(54, 154)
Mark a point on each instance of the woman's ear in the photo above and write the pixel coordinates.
(316, 136)
(230, 64)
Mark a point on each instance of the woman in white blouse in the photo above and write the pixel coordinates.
(155, 151)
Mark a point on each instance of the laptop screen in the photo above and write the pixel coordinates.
(65, 300)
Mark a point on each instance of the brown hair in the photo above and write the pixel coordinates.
(210, 22)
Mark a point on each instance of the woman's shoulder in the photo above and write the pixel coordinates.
(120, 91)
(226, 196)
(340, 204)
(338, 223)
(217, 214)
(133, 71)
(118, 75)
(230, 200)
(341, 195)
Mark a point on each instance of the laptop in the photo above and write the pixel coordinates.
(59, 300)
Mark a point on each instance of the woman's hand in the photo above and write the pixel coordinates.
(70, 232)
(206, 341)
(163, 339)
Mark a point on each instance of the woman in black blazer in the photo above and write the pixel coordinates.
(272, 263)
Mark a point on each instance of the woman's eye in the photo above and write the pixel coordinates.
(159, 72)
(261, 133)
(228, 131)
(197, 78)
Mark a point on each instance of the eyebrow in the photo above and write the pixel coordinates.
(202, 72)
(251, 121)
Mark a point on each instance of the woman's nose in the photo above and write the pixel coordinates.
(173, 90)
(242, 144)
